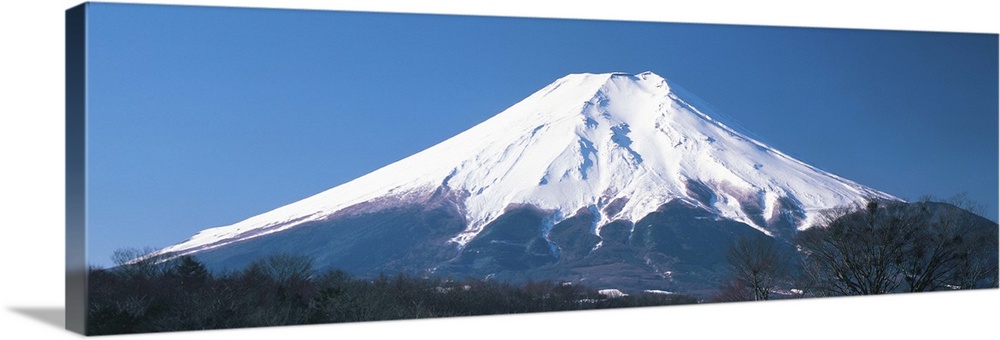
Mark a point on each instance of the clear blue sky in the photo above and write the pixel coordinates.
(201, 117)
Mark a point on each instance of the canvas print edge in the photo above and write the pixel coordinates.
(69, 191)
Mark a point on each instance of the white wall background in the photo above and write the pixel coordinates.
(31, 188)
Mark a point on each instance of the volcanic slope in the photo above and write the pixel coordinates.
(615, 179)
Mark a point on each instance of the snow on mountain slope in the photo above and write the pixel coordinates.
(584, 141)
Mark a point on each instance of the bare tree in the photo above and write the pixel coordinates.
(137, 263)
(858, 251)
(978, 265)
(957, 250)
(284, 268)
(757, 265)
(732, 291)
(887, 247)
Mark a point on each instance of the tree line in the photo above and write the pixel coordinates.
(141, 296)
(877, 248)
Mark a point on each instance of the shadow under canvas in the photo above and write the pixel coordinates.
(53, 316)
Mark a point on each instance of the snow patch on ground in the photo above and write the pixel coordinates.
(611, 293)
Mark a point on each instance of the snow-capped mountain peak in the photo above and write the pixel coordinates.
(616, 144)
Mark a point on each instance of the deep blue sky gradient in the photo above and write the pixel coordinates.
(201, 117)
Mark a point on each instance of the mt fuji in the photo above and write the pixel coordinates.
(614, 179)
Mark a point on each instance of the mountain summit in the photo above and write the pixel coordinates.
(587, 162)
